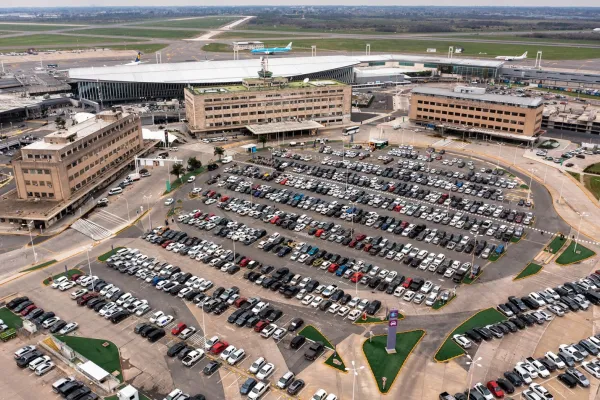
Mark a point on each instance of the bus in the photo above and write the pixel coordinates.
(351, 130)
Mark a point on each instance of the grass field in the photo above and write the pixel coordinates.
(217, 48)
(33, 27)
(197, 23)
(10, 319)
(439, 303)
(592, 183)
(144, 48)
(39, 266)
(387, 365)
(69, 274)
(335, 361)
(57, 40)
(530, 269)
(449, 349)
(518, 38)
(145, 33)
(419, 46)
(106, 358)
(572, 255)
(575, 175)
(257, 35)
(312, 333)
(593, 169)
(556, 244)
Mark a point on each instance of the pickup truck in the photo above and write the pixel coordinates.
(446, 396)
(314, 351)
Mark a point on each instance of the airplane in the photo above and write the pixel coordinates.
(273, 50)
(596, 30)
(512, 58)
(137, 61)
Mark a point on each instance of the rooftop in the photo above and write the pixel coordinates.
(242, 88)
(490, 98)
(287, 126)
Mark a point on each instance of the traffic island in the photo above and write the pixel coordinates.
(103, 353)
(368, 320)
(68, 274)
(439, 303)
(386, 367)
(11, 319)
(574, 253)
(530, 270)
(313, 334)
(450, 350)
(336, 361)
(39, 266)
(556, 244)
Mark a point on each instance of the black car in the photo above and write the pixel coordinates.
(474, 336)
(156, 335)
(248, 385)
(295, 387)
(211, 367)
(175, 349)
(27, 358)
(138, 328)
(146, 330)
(568, 380)
(79, 393)
(505, 385)
(373, 307)
(57, 326)
(295, 324)
(513, 378)
(297, 342)
(16, 301)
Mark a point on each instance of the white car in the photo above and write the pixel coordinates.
(343, 311)
(38, 361)
(265, 371)
(211, 342)
(70, 327)
(261, 305)
(143, 309)
(334, 308)
(257, 365)
(316, 301)
(156, 316)
(560, 364)
(227, 352)
(78, 293)
(258, 390)
(409, 296)
(58, 281)
(307, 299)
(483, 391)
(592, 368)
(462, 341)
(193, 357)
(164, 320)
(542, 391)
(236, 356)
(354, 314)
(186, 333)
(49, 322)
(169, 201)
(42, 369)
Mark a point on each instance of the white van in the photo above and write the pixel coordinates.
(227, 159)
(114, 191)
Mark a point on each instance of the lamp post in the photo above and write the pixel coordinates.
(147, 198)
(355, 370)
(471, 363)
(126, 202)
(87, 251)
(531, 171)
(561, 189)
(581, 215)
(31, 241)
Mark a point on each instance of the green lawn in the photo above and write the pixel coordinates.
(472, 49)
(312, 333)
(218, 48)
(108, 254)
(592, 183)
(387, 365)
(530, 269)
(39, 266)
(106, 358)
(115, 397)
(33, 27)
(144, 48)
(257, 35)
(593, 169)
(449, 349)
(439, 304)
(523, 38)
(180, 181)
(69, 274)
(51, 39)
(556, 244)
(572, 255)
(335, 361)
(575, 175)
(145, 33)
(10, 319)
(197, 23)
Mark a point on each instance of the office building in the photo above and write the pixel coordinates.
(248, 45)
(471, 109)
(264, 101)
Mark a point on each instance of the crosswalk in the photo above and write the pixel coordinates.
(109, 217)
(450, 144)
(91, 229)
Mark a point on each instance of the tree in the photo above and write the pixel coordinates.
(219, 151)
(193, 163)
(60, 122)
(262, 139)
(177, 170)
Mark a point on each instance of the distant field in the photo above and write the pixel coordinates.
(218, 48)
(517, 38)
(58, 40)
(419, 46)
(144, 48)
(257, 35)
(198, 23)
(33, 27)
(146, 33)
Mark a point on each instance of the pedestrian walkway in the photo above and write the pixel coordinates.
(91, 229)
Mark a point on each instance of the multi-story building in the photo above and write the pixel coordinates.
(69, 160)
(472, 109)
(262, 101)
(248, 45)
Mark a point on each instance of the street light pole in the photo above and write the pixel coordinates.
(31, 240)
(147, 197)
(471, 363)
(581, 215)
(126, 202)
(355, 370)
(531, 171)
(87, 251)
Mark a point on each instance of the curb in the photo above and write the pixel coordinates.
(362, 347)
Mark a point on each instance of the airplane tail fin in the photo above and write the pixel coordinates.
(289, 46)
(524, 55)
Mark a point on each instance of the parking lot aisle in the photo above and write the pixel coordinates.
(230, 382)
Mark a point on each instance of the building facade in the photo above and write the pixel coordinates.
(466, 108)
(74, 159)
(248, 45)
(260, 101)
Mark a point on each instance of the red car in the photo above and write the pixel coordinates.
(367, 248)
(352, 243)
(357, 276)
(495, 389)
(360, 237)
(219, 347)
(407, 283)
(28, 309)
(244, 262)
(274, 219)
(397, 207)
(74, 277)
(260, 325)
(240, 302)
(165, 244)
(178, 329)
(332, 268)
(319, 232)
(224, 198)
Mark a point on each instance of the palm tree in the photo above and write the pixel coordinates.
(219, 151)
(177, 170)
(60, 122)
(262, 139)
